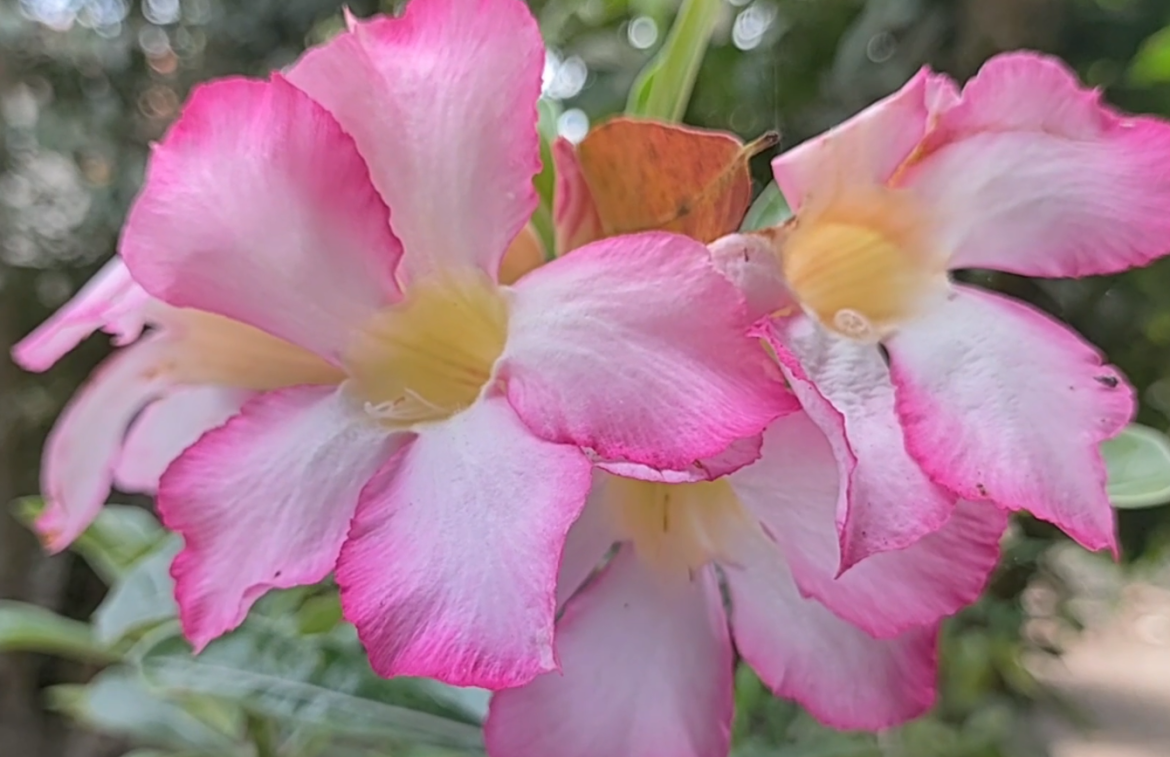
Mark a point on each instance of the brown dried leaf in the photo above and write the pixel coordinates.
(648, 175)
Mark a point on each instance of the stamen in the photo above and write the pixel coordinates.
(413, 408)
(853, 324)
(430, 355)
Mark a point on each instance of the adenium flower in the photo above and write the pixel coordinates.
(359, 209)
(1023, 171)
(161, 391)
(646, 645)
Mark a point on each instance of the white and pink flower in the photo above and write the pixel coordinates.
(646, 645)
(1021, 171)
(321, 372)
(359, 210)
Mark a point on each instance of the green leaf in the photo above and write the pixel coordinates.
(319, 614)
(663, 89)
(1138, 461)
(769, 209)
(120, 536)
(302, 682)
(29, 628)
(142, 598)
(117, 702)
(169, 753)
(1151, 65)
(353, 674)
(282, 604)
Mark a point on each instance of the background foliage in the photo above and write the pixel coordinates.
(85, 85)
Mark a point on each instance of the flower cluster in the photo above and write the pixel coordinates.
(544, 481)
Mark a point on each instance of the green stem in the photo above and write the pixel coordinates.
(664, 87)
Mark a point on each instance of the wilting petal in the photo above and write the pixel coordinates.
(1030, 173)
(843, 676)
(110, 301)
(645, 672)
(169, 426)
(442, 103)
(258, 207)
(636, 347)
(792, 489)
(575, 217)
(451, 565)
(1002, 403)
(264, 502)
(845, 387)
(84, 444)
(867, 148)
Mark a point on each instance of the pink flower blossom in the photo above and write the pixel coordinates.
(159, 393)
(1023, 171)
(646, 645)
(359, 209)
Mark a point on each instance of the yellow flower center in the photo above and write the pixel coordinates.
(429, 356)
(861, 263)
(676, 528)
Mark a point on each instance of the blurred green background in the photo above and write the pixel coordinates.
(85, 85)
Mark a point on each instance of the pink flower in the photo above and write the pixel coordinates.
(1022, 171)
(149, 401)
(359, 209)
(646, 645)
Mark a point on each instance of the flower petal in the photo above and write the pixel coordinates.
(1031, 174)
(575, 218)
(750, 262)
(636, 348)
(646, 672)
(264, 502)
(85, 441)
(110, 301)
(1001, 403)
(741, 452)
(866, 149)
(167, 427)
(792, 489)
(451, 565)
(845, 387)
(588, 544)
(843, 676)
(442, 104)
(258, 207)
